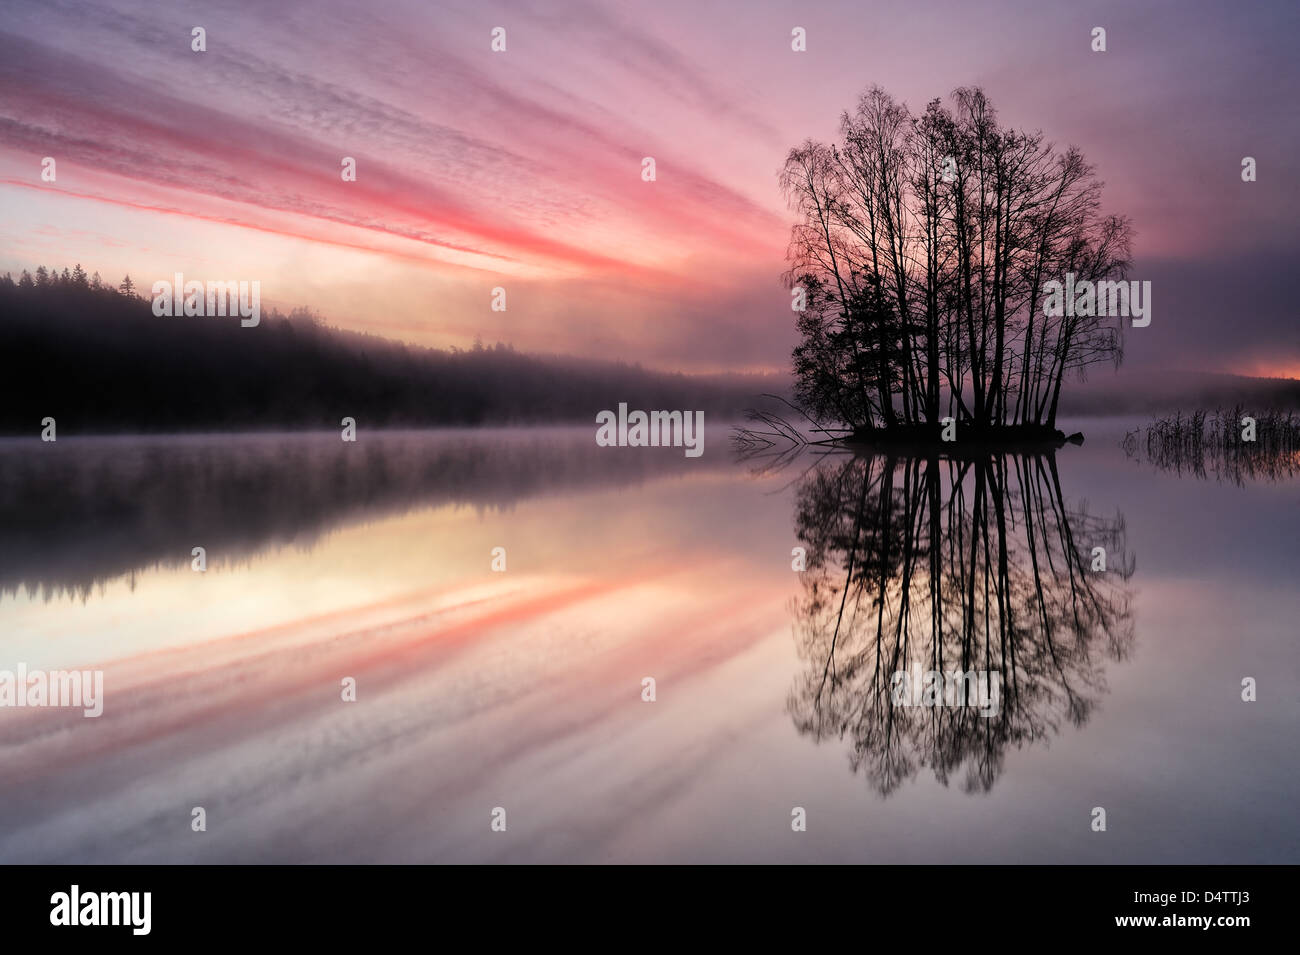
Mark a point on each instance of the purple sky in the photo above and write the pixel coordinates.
(522, 169)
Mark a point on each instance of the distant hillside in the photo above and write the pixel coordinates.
(1145, 391)
(97, 360)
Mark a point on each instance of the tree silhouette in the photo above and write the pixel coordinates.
(922, 244)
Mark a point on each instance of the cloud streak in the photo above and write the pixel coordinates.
(476, 169)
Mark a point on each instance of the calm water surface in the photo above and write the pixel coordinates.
(522, 689)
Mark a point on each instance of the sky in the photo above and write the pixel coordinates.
(522, 169)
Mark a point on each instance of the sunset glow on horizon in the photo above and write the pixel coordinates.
(522, 169)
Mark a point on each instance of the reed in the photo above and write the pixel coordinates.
(1214, 444)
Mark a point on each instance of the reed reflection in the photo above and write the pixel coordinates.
(1236, 446)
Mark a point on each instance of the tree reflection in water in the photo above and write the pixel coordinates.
(938, 564)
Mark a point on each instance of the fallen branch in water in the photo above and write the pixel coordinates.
(781, 430)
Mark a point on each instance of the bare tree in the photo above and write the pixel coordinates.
(923, 244)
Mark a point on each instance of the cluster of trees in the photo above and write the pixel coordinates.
(97, 359)
(921, 246)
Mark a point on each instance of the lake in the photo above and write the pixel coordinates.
(522, 689)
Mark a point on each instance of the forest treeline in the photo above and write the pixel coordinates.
(94, 357)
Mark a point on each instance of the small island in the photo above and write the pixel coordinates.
(921, 257)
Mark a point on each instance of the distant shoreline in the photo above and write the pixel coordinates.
(927, 440)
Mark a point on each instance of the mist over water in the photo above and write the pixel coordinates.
(522, 688)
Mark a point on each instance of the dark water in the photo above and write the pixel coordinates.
(522, 688)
